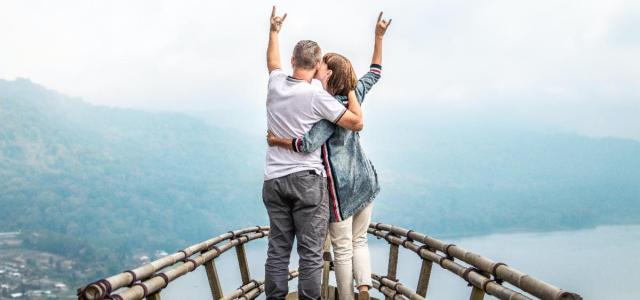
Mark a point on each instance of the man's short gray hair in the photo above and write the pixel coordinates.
(307, 54)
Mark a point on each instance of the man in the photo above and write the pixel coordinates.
(294, 190)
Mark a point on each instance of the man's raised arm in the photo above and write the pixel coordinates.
(273, 50)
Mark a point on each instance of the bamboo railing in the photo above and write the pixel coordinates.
(483, 275)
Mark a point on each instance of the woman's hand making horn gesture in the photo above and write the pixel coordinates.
(381, 25)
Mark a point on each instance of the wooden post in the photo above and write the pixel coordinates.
(393, 263)
(423, 281)
(476, 294)
(214, 279)
(244, 266)
(326, 268)
(154, 296)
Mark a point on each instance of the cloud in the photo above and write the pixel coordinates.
(579, 57)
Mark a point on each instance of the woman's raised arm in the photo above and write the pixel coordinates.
(381, 28)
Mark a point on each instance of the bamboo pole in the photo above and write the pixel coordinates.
(476, 294)
(214, 279)
(425, 275)
(154, 296)
(243, 264)
(392, 267)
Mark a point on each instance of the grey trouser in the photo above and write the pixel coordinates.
(298, 206)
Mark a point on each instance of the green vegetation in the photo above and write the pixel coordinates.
(99, 184)
(96, 182)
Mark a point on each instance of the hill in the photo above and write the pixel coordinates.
(87, 179)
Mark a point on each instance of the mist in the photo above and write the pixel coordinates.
(568, 65)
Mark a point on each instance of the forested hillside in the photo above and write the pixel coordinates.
(94, 181)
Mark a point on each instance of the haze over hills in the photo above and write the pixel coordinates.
(88, 181)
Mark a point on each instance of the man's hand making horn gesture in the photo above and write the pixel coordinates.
(276, 21)
(273, 50)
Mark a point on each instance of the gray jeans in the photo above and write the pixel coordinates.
(298, 207)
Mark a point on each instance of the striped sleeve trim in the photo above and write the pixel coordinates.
(296, 144)
(340, 116)
(375, 68)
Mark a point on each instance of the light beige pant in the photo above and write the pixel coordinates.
(351, 251)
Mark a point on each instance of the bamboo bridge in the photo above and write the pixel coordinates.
(484, 276)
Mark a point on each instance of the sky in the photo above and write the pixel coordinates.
(572, 65)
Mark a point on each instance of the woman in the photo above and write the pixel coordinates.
(351, 178)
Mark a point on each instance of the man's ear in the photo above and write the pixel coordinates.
(293, 62)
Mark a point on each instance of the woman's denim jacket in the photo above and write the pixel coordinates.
(351, 177)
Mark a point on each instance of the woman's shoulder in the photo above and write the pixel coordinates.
(342, 99)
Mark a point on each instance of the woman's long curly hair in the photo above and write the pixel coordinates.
(343, 78)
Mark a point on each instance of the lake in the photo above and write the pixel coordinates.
(597, 263)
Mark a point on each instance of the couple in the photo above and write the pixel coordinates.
(317, 175)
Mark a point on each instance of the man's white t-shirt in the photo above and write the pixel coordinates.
(293, 106)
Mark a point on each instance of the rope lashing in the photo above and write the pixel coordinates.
(441, 259)
(495, 275)
(408, 235)
(423, 247)
(484, 285)
(186, 260)
(144, 288)
(465, 274)
(395, 286)
(214, 247)
(164, 277)
(446, 252)
(106, 284)
(254, 282)
(133, 274)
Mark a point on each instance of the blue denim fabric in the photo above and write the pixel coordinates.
(354, 176)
